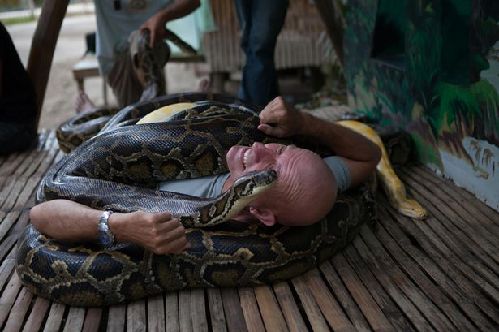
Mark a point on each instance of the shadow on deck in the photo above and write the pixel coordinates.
(439, 274)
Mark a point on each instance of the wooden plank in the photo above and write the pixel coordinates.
(136, 316)
(250, 309)
(18, 178)
(198, 312)
(459, 253)
(9, 168)
(31, 183)
(156, 313)
(404, 303)
(471, 237)
(8, 297)
(454, 269)
(327, 303)
(289, 307)
(92, 320)
(7, 222)
(485, 214)
(393, 276)
(6, 269)
(309, 305)
(433, 270)
(43, 46)
(7, 245)
(217, 316)
(388, 306)
(18, 311)
(172, 312)
(37, 315)
(233, 311)
(472, 233)
(74, 320)
(23, 186)
(354, 291)
(116, 318)
(184, 311)
(269, 309)
(434, 303)
(54, 318)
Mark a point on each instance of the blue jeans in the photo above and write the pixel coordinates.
(261, 21)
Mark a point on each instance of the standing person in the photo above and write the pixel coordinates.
(118, 37)
(17, 100)
(261, 22)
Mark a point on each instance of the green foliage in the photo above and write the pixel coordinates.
(425, 152)
(453, 99)
(424, 45)
(474, 109)
(487, 97)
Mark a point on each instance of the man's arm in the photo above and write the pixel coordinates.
(360, 154)
(156, 24)
(69, 221)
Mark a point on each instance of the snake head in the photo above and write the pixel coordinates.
(226, 206)
(247, 187)
(412, 209)
(254, 183)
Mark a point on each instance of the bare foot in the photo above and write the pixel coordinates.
(83, 103)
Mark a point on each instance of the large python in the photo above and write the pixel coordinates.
(119, 169)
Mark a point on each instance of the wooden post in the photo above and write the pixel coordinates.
(332, 13)
(43, 46)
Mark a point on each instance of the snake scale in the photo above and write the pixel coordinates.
(125, 161)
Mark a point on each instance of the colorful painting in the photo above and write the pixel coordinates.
(431, 67)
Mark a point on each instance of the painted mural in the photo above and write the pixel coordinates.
(431, 67)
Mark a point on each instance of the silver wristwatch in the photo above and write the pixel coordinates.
(106, 237)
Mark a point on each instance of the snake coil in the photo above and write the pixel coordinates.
(119, 169)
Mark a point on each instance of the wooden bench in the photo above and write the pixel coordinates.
(85, 68)
(88, 67)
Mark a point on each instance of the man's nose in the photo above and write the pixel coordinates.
(262, 153)
(257, 146)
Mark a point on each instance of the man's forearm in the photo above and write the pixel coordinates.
(66, 220)
(179, 8)
(70, 221)
(342, 141)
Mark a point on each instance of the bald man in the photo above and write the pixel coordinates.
(305, 191)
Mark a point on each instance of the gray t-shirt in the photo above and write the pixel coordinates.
(211, 186)
(115, 25)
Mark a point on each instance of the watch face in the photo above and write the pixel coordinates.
(105, 239)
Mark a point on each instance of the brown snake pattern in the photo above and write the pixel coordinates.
(119, 168)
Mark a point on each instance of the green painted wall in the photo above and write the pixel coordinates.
(431, 67)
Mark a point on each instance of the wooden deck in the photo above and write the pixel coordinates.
(439, 274)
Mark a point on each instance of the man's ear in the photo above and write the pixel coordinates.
(265, 215)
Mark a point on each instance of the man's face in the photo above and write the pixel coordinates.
(257, 157)
(303, 192)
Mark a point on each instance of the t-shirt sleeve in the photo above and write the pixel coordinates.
(340, 171)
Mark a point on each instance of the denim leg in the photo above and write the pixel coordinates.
(263, 20)
(243, 9)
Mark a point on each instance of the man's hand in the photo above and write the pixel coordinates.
(156, 25)
(280, 119)
(157, 232)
